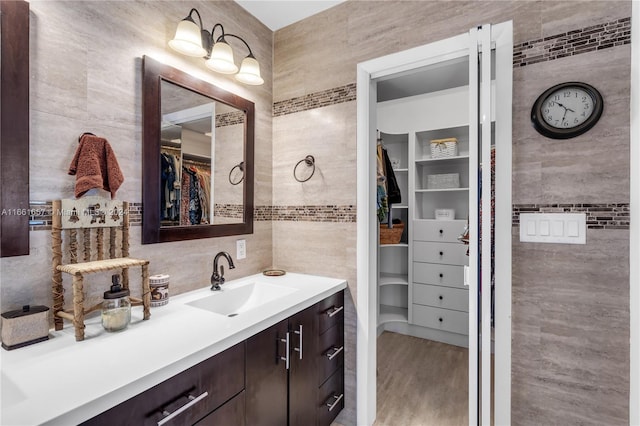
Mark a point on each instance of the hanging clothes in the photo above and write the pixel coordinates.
(393, 190)
(381, 196)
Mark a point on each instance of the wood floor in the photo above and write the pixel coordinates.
(421, 382)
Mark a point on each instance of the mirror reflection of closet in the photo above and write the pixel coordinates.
(193, 129)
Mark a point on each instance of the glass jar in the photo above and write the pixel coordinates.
(116, 307)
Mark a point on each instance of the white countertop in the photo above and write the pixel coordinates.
(62, 382)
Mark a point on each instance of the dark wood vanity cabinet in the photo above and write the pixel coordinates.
(295, 368)
(289, 374)
(187, 397)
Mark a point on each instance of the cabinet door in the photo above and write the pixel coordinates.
(303, 387)
(266, 377)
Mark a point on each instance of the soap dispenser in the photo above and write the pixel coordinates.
(116, 307)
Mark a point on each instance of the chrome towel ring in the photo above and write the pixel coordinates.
(240, 167)
(310, 162)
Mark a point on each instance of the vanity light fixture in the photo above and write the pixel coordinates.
(192, 39)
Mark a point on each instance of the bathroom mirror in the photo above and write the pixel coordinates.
(197, 158)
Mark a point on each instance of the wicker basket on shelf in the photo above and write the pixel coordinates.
(393, 235)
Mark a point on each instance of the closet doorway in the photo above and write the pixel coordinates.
(428, 121)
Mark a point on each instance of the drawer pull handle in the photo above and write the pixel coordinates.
(193, 400)
(337, 400)
(441, 253)
(440, 297)
(336, 351)
(440, 319)
(441, 232)
(286, 357)
(441, 275)
(299, 350)
(333, 310)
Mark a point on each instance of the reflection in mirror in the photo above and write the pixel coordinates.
(201, 142)
(197, 158)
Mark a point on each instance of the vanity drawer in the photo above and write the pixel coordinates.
(446, 231)
(445, 253)
(330, 352)
(330, 398)
(330, 311)
(438, 274)
(442, 319)
(441, 297)
(220, 377)
(231, 413)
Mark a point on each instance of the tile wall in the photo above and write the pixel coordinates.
(86, 75)
(570, 304)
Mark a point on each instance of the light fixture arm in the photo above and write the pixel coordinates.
(239, 38)
(199, 17)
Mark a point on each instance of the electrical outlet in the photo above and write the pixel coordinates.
(241, 249)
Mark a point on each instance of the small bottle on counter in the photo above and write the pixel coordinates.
(116, 307)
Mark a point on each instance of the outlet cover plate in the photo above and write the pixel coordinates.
(553, 228)
(241, 249)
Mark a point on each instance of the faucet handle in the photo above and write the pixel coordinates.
(221, 279)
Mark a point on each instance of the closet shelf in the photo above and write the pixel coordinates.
(442, 190)
(394, 245)
(387, 278)
(392, 314)
(405, 170)
(459, 159)
(399, 207)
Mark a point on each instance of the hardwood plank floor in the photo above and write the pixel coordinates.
(421, 382)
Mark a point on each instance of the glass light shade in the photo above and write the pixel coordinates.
(188, 39)
(221, 59)
(250, 72)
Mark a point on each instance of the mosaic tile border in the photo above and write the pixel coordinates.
(229, 118)
(599, 216)
(228, 210)
(40, 214)
(341, 214)
(571, 43)
(581, 40)
(320, 99)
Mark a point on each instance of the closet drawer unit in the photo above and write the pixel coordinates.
(330, 312)
(441, 297)
(330, 399)
(438, 274)
(330, 352)
(442, 319)
(445, 253)
(446, 231)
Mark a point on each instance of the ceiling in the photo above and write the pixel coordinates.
(278, 14)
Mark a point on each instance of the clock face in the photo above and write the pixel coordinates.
(567, 110)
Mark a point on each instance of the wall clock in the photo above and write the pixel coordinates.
(567, 110)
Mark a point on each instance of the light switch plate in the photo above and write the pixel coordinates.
(553, 228)
(241, 249)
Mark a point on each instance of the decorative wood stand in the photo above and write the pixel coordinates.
(84, 215)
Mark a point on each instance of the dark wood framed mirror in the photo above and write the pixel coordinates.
(14, 128)
(197, 158)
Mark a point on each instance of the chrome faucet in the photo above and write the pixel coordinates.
(217, 278)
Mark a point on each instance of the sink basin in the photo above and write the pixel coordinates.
(244, 297)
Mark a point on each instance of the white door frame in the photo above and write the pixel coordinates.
(367, 229)
(634, 231)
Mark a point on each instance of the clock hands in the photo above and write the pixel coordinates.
(565, 110)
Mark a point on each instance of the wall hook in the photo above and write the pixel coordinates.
(310, 162)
